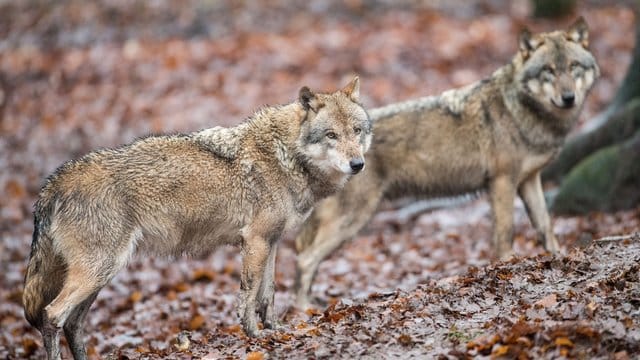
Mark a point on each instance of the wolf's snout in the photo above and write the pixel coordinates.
(356, 165)
(568, 98)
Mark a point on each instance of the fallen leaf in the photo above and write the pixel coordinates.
(233, 329)
(547, 301)
(524, 341)
(142, 349)
(405, 340)
(181, 287)
(621, 355)
(301, 325)
(501, 350)
(563, 341)
(196, 322)
(135, 296)
(203, 275)
(255, 355)
(313, 312)
(14, 189)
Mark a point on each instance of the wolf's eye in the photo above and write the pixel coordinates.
(331, 135)
(357, 131)
(576, 69)
(547, 69)
(547, 74)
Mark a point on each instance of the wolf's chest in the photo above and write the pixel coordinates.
(533, 163)
(293, 223)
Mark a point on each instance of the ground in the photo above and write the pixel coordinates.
(79, 75)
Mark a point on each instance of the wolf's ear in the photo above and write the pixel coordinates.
(579, 32)
(308, 100)
(352, 90)
(526, 42)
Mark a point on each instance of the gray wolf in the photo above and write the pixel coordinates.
(494, 135)
(187, 194)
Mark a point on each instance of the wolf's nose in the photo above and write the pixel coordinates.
(568, 98)
(356, 165)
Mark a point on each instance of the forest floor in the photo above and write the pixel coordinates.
(79, 75)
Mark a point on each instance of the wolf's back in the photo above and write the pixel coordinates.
(45, 271)
(405, 106)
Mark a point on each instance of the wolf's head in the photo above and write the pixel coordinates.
(336, 131)
(555, 70)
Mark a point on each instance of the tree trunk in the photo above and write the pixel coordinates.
(620, 126)
(608, 180)
(630, 87)
(553, 8)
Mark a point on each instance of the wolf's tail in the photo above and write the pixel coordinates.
(45, 271)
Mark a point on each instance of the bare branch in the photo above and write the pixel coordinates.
(634, 237)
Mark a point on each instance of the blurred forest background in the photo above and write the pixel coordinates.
(77, 75)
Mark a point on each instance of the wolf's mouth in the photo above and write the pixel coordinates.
(562, 105)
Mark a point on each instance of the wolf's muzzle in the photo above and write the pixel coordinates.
(356, 165)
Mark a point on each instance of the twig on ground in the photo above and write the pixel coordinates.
(635, 236)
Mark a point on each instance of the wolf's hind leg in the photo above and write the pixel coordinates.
(77, 287)
(83, 280)
(533, 197)
(74, 327)
(51, 337)
(328, 238)
(335, 224)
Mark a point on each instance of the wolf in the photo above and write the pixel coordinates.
(187, 194)
(494, 135)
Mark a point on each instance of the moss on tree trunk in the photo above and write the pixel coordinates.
(620, 126)
(607, 180)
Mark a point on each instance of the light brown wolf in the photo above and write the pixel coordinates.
(495, 135)
(188, 194)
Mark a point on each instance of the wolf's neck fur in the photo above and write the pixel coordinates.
(281, 142)
(273, 131)
(538, 127)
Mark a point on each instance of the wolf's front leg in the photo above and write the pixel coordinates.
(51, 336)
(533, 197)
(267, 291)
(255, 253)
(502, 193)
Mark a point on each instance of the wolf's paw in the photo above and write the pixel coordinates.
(273, 324)
(269, 320)
(552, 246)
(251, 332)
(305, 303)
(506, 255)
(250, 324)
